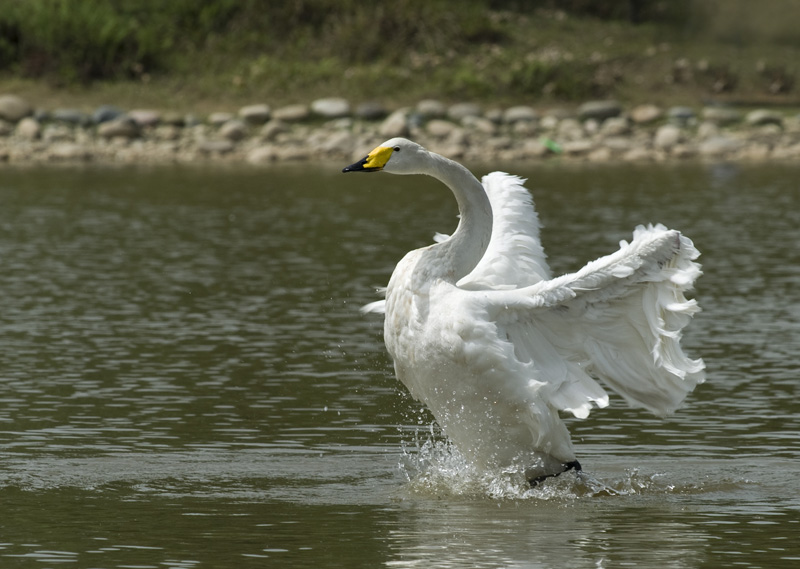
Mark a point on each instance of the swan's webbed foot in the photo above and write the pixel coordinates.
(572, 465)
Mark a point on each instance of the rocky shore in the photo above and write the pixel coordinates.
(333, 129)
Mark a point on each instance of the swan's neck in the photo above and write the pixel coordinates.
(457, 256)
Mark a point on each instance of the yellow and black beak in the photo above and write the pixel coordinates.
(373, 162)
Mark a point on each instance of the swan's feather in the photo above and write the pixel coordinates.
(619, 319)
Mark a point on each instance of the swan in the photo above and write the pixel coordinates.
(496, 348)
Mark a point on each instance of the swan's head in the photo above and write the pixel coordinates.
(396, 155)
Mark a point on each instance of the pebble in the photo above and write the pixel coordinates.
(646, 114)
(762, 117)
(29, 128)
(331, 107)
(292, 113)
(599, 110)
(14, 108)
(255, 114)
(597, 131)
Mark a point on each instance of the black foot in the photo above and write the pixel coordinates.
(573, 465)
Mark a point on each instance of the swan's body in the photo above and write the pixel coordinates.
(481, 334)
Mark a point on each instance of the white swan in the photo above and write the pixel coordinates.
(496, 349)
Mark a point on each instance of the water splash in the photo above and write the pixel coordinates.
(433, 467)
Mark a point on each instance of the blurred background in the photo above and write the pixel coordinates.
(195, 51)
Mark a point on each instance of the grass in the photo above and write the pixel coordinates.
(209, 55)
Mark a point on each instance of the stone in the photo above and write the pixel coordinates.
(645, 114)
(719, 146)
(14, 108)
(273, 128)
(577, 147)
(395, 124)
(331, 107)
(292, 113)
(68, 151)
(600, 110)
(215, 146)
(106, 113)
(707, 129)
(174, 118)
(520, 113)
(479, 124)
(440, 128)
(261, 155)
(371, 111)
(255, 114)
(570, 129)
(681, 116)
(29, 128)
(145, 117)
(57, 133)
(71, 116)
(431, 109)
(233, 130)
(760, 117)
(121, 127)
(667, 136)
(6, 128)
(495, 115)
(615, 126)
(460, 111)
(220, 118)
(721, 115)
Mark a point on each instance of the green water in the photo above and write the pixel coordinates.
(186, 381)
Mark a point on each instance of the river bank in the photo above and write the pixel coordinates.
(335, 129)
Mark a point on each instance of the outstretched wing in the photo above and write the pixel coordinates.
(515, 257)
(618, 319)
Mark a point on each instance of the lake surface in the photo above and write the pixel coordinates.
(186, 380)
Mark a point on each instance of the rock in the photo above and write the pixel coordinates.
(233, 130)
(681, 116)
(721, 115)
(29, 128)
(495, 115)
(273, 128)
(106, 113)
(760, 117)
(440, 128)
(600, 110)
(215, 146)
(577, 147)
(331, 107)
(615, 126)
(145, 117)
(68, 151)
(71, 116)
(167, 132)
(479, 124)
(395, 124)
(292, 113)
(719, 146)
(431, 109)
(460, 111)
(255, 114)
(534, 149)
(57, 133)
(371, 111)
(219, 118)
(569, 130)
(645, 114)
(261, 155)
(14, 109)
(667, 136)
(6, 128)
(173, 118)
(122, 127)
(520, 113)
(707, 129)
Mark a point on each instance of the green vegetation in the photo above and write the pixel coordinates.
(203, 51)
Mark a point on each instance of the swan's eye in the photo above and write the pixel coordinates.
(396, 149)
